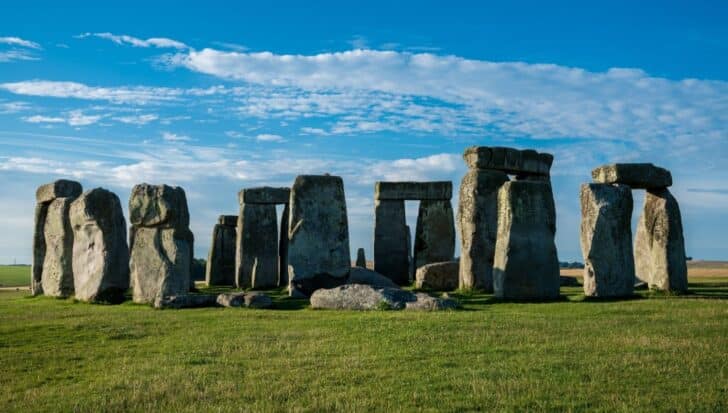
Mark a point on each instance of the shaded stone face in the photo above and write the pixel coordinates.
(264, 195)
(636, 175)
(413, 190)
(257, 250)
(228, 220)
(391, 249)
(318, 233)
(440, 276)
(61, 188)
(361, 259)
(57, 269)
(526, 265)
(283, 248)
(435, 233)
(158, 206)
(100, 251)
(220, 269)
(606, 240)
(508, 160)
(659, 244)
(478, 226)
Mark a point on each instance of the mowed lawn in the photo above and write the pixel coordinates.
(654, 353)
(14, 275)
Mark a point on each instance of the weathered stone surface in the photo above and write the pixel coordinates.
(361, 259)
(425, 302)
(283, 248)
(391, 250)
(508, 160)
(39, 249)
(61, 188)
(636, 175)
(440, 276)
(186, 301)
(264, 195)
(659, 248)
(526, 264)
(57, 272)
(100, 252)
(160, 206)
(359, 275)
(361, 297)
(410, 258)
(438, 190)
(435, 235)
(256, 263)
(478, 225)
(250, 299)
(606, 240)
(318, 247)
(220, 269)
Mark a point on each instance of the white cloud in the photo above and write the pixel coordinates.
(173, 137)
(13, 55)
(130, 95)
(72, 118)
(268, 137)
(137, 119)
(159, 42)
(13, 107)
(43, 119)
(17, 41)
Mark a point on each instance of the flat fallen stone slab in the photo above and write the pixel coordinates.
(264, 195)
(366, 297)
(508, 160)
(635, 175)
(436, 190)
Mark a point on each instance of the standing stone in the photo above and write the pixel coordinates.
(283, 248)
(526, 265)
(220, 269)
(361, 259)
(160, 242)
(318, 233)
(606, 240)
(478, 224)
(435, 234)
(391, 250)
(410, 258)
(55, 249)
(257, 246)
(100, 252)
(659, 245)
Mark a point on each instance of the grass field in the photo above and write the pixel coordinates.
(14, 275)
(655, 353)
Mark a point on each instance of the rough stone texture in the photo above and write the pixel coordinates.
(100, 252)
(361, 258)
(391, 250)
(410, 258)
(39, 249)
(57, 273)
(440, 276)
(256, 262)
(508, 160)
(220, 269)
(61, 188)
(283, 248)
(318, 233)
(659, 245)
(606, 240)
(186, 301)
(264, 195)
(636, 175)
(359, 275)
(161, 243)
(435, 235)
(425, 302)
(478, 226)
(439, 190)
(526, 264)
(365, 297)
(250, 300)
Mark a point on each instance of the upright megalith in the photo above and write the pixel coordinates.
(220, 269)
(435, 233)
(257, 256)
(526, 265)
(52, 270)
(606, 240)
(318, 234)
(659, 243)
(391, 250)
(160, 242)
(283, 247)
(361, 258)
(100, 251)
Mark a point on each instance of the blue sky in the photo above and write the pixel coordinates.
(216, 98)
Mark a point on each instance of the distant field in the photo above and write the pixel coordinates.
(14, 275)
(696, 269)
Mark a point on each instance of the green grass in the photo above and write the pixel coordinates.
(655, 353)
(14, 275)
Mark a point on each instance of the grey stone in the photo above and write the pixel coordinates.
(100, 252)
(508, 160)
(361, 258)
(359, 275)
(606, 240)
(361, 297)
(636, 175)
(264, 195)
(256, 263)
(57, 272)
(478, 225)
(391, 250)
(160, 206)
(249, 299)
(220, 269)
(526, 264)
(659, 244)
(425, 302)
(435, 235)
(39, 249)
(410, 258)
(441, 190)
(283, 248)
(61, 188)
(318, 247)
(440, 276)
(186, 301)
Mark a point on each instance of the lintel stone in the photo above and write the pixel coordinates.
(509, 160)
(228, 220)
(436, 190)
(636, 175)
(61, 188)
(264, 195)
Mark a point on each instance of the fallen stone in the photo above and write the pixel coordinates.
(659, 247)
(186, 301)
(249, 299)
(100, 252)
(361, 259)
(220, 267)
(438, 190)
(256, 260)
(635, 175)
(264, 195)
(391, 247)
(361, 297)
(425, 302)
(359, 275)
(440, 276)
(606, 240)
(508, 160)
(435, 233)
(61, 188)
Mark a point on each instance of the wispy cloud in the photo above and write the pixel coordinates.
(136, 119)
(13, 55)
(72, 118)
(59, 89)
(17, 41)
(173, 137)
(158, 42)
(268, 137)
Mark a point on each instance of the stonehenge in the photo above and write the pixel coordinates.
(441, 276)
(257, 258)
(100, 252)
(361, 258)
(52, 267)
(435, 231)
(220, 268)
(160, 242)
